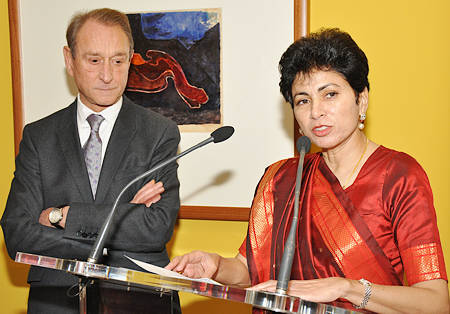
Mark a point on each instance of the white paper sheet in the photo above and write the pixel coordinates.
(168, 273)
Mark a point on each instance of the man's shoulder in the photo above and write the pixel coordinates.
(53, 119)
(147, 115)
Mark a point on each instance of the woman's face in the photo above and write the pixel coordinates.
(326, 107)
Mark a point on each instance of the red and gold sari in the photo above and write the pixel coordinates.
(381, 227)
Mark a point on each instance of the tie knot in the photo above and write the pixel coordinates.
(94, 121)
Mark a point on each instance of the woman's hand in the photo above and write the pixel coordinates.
(424, 297)
(197, 264)
(316, 290)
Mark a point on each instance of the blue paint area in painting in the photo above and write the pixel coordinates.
(186, 27)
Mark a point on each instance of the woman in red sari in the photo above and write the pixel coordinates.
(367, 234)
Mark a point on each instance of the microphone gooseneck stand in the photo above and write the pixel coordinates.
(219, 135)
(303, 146)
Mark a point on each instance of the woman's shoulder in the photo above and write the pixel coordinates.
(394, 167)
(293, 161)
(393, 158)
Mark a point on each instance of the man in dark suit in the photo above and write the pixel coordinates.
(73, 164)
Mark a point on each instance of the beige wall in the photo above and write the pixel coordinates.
(408, 48)
(248, 80)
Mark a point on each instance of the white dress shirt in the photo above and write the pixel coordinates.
(84, 129)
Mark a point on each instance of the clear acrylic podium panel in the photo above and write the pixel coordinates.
(122, 276)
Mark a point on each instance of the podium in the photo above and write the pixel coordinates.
(160, 284)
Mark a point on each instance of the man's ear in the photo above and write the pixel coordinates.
(68, 60)
(131, 55)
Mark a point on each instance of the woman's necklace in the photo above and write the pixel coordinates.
(357, 164)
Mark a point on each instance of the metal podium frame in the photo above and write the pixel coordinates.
(148, 281)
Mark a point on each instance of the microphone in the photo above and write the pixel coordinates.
(219, 135)
(303, 146)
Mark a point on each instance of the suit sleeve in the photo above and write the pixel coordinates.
(136, 228)
(20, 220)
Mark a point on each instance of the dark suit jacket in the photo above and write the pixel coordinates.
(50, 171)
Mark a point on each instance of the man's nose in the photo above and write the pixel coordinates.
(106, 74)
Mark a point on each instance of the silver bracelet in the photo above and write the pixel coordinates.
(367, 292)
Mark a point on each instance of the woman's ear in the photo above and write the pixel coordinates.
(363, 101)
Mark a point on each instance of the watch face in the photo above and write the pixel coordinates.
(55, 215)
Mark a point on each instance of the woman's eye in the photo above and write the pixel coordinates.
(301, 102)
(331, 94)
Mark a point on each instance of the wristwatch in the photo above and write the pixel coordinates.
(55, 216)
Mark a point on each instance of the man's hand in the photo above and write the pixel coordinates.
(43, 217)
(148, 194)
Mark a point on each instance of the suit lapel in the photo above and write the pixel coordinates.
(70, 143)
(121, 136)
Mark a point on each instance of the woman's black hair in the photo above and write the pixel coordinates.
(329, 50)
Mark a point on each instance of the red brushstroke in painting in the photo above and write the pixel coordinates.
(150, 76)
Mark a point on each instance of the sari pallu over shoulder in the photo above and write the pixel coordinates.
(332, 239)
(362, 232)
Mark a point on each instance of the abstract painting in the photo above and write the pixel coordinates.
(175, 68)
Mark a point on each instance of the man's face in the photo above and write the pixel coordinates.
(99, 64)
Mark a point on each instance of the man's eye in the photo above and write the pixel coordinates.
(118, 61)
(94, 61)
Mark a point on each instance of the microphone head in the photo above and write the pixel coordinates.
(303, 143)
(222, 134)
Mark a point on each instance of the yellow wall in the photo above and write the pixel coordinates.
(223, 237)
(408, 47)
(13, 287)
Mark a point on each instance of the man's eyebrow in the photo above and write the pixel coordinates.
(96, 54)
(120, 54)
